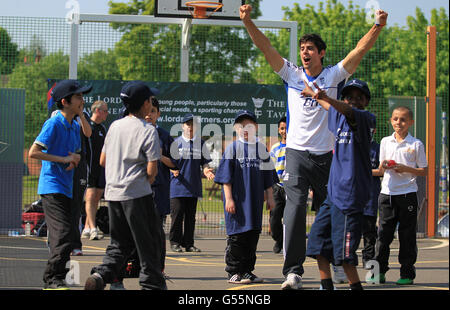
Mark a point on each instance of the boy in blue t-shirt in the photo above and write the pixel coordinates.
(58, 146)
(336, 231)
(246, 172)
(186, 184)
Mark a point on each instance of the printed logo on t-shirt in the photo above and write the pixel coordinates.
(249, 163)
(187, 153)
(343, 136)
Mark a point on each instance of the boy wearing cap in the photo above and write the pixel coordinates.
(336, 231)
(58, 146)
(130, 156)
(246, 172)
(186, 184)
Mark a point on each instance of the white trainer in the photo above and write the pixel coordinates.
(96, 234)
(339, 275)
(86, 233)
(293, 282)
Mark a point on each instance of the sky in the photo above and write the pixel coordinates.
(271, 9)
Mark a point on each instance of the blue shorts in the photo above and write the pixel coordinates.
(335, 235)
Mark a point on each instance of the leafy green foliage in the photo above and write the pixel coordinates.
(8, 53)
(33, 78)
(395, 66)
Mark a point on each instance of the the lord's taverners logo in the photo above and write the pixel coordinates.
(258, 103)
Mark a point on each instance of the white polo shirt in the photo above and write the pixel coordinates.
(409, 152)
(307, 121)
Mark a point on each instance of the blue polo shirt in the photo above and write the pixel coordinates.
(58, 137)
(192, 155)
(250, 170)
(371, 208)
(350, 180)
(161, 186)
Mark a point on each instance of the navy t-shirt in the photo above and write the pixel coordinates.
(350, 180)
(250, 171)
(192, 155)
(371, 208)
(161, 186)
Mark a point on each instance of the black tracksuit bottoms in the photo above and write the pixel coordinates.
(182, 209)
(59, 215)
(134, 223)
(401, 209)
(240, 253)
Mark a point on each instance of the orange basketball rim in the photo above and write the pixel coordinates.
(200, 8)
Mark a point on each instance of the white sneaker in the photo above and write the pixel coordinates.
(96, 234)
(100, 233)
(86, 233)
(339, 275)
(293, 282)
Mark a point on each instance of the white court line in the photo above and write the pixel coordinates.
(442, 243)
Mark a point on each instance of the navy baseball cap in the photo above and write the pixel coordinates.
(188, 117)
(361, 85)
(134, 93)
(67, 88)
(244, 114)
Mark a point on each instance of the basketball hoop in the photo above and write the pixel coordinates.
(200, 8)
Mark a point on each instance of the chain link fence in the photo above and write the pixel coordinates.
(33, 50)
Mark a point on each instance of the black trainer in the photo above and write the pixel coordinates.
(176, 248)
(192, 249)
(252, 277)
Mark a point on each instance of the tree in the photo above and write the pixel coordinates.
(35, 51)
(396, 65)
(99, 65)
(8, 53)
(33, 78)
(327, 21)
(150, 52)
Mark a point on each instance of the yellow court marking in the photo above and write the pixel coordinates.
(248, 286)
(45, 260)
(237, 288)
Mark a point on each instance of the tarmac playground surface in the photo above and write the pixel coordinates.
(23, 260)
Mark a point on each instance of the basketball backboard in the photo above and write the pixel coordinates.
(179, 9)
